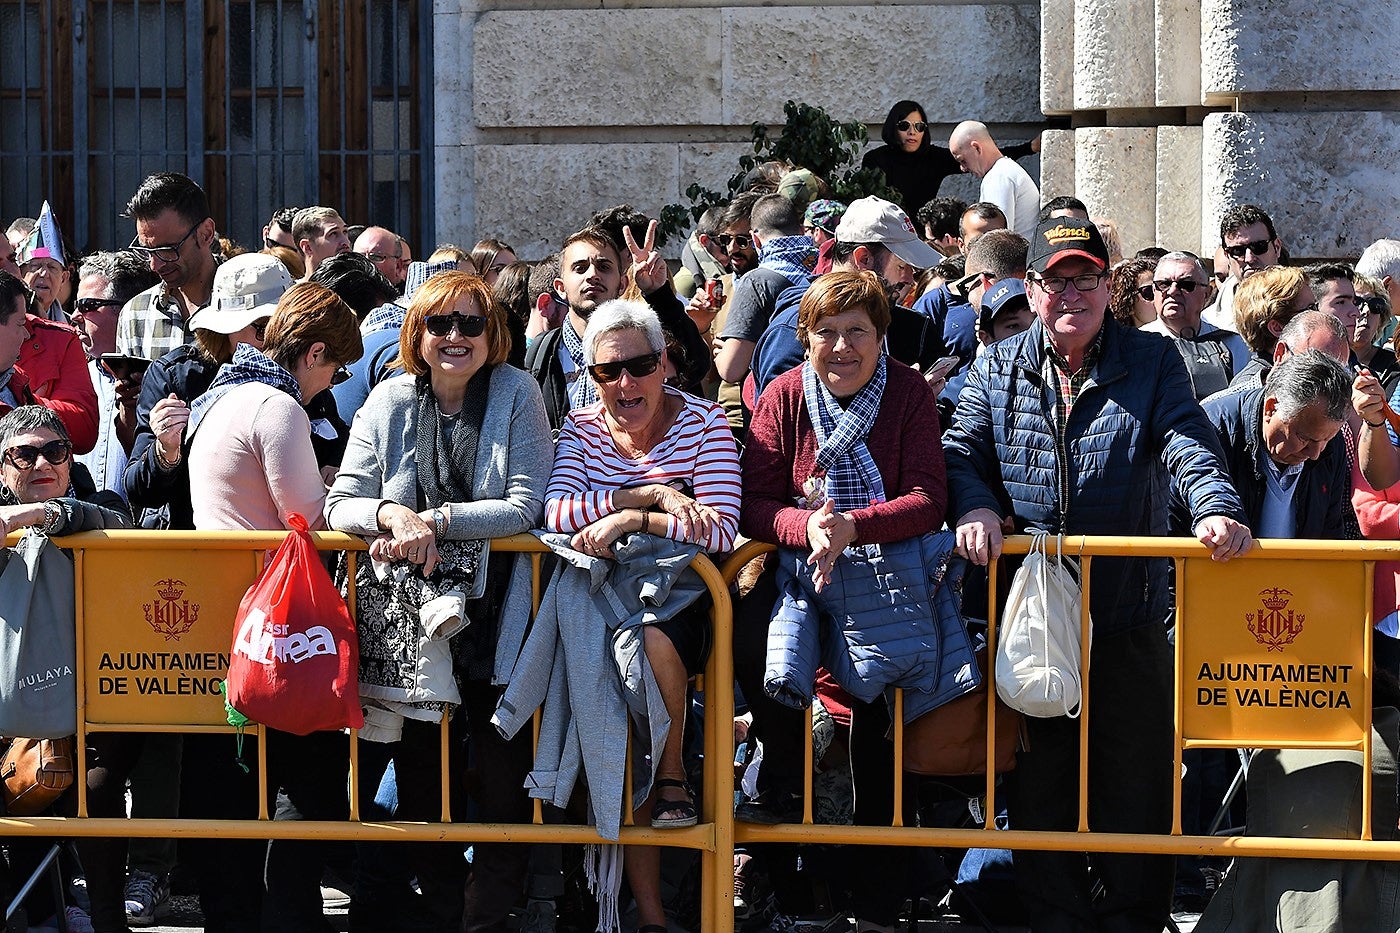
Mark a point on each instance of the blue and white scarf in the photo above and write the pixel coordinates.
(583, 392)
(794, 257)
(385, 317)
(249, 364)
(852, 478)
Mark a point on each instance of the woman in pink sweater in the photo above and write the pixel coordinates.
(251, 465)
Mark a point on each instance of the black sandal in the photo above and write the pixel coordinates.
(685, 807)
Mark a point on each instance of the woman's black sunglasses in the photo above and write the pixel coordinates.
(24, 456)
(468, 325)
(638, 366)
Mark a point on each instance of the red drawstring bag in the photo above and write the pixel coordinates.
(295, 660)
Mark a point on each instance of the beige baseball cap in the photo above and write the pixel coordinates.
(246, 289)
(875, 220)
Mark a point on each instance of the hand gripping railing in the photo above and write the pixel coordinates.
(114, 569)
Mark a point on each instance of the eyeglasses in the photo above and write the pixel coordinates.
(340, 375)
(852, 335)
(1056, 284)
(468, 325)
(903, 126)
(24, 456)
(1162, 286)
(638, 366)
(260, 328)
(1372, 304)
(377, 258)
(1257, 247)
(739, 241)
(93, 305)
(163, 253)
(269, 243)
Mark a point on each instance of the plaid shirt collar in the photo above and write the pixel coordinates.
(1068, 384)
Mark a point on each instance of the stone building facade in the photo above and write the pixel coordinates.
(548, 109)
(1181, 108)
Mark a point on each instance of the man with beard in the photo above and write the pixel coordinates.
(592, 271)
(175, 234)
(874, 234)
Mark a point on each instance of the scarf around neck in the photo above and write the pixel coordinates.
(852, 478)
(249, 364)
(446, 446)
(583, 392)
(794, 257)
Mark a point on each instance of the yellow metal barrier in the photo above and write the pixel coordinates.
(1242, 621)
(156, 613)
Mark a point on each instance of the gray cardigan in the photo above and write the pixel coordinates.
(513, 463)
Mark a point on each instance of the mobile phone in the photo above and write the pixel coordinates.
(943, 363)
(122, 366)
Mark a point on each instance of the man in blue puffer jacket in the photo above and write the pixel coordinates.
(1082, 427)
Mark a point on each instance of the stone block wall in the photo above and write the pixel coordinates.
(549, 109)
(1181, 108)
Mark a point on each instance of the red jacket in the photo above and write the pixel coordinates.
(52, 358)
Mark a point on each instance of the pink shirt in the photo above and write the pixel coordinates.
(251, 463)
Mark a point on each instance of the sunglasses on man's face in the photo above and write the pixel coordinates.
(638, 366)
(903, 126)
(738, 241)
(1257, 247)
(24, 456)
(468, 325)
(93, 305)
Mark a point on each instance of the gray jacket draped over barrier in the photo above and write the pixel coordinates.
(589, 684)
(890, 617)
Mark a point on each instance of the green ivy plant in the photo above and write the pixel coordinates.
(811, 139)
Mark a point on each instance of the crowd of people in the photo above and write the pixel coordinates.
(873, 388)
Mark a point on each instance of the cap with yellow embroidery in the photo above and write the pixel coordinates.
(1058, 238)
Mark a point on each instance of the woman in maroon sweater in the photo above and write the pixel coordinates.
(843, 450)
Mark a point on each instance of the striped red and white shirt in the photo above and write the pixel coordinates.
(698, 450)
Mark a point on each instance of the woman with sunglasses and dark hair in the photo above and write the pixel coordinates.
(913, 166)
(42, 488)
(454, 451)
(647, 458)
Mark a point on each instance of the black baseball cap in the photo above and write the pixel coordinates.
(1058, 237)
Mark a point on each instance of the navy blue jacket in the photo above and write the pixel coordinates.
(1322, 496)
(1134, 431)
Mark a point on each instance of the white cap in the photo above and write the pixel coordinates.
(875, 220)
(246, 289)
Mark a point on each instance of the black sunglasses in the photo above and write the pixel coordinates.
(269, 243)
(1257, 247)
(1162, 286)
(340, 375)
(638, 366)
(468, 325)
(903, 126)
(90, 305)
(24, 456)
(740, 241)
(260, 328)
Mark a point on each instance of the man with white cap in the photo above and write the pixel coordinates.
(242, 297)
(873, 235)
